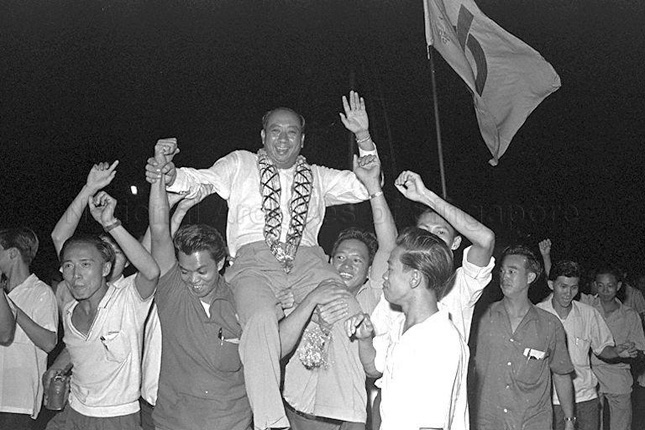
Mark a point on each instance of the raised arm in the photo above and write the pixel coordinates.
(7, 320)
(163, 249)
(356, 120)
(102, 207)
(545, 250)
(368, 170)
(412, 187)
(292, 326)
(99, 177)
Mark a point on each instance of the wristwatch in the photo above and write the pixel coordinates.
(571, 419)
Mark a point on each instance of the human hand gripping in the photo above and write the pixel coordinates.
(359, 326)
(101, 175)
(368, 170)
(545, 247)
(411, 186)
(355, 117)
(627, 350)
(286, 298)
(102, 207)
(161, 163)
(329, 297)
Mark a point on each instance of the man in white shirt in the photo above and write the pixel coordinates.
(425, 364)
(586, 330)
(24, 359)
(276, 206)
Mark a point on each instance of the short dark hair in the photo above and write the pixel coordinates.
(366, 237)
(566, 268)
(265, 117)
(429, 254)
(23, 239)
(200, 237)
(428, 210)
(608, 269)
(104, 248)
(532, 263)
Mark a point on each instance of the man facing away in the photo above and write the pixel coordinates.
(23, 357)
(519, 346)
(586, 330)
(276, 205)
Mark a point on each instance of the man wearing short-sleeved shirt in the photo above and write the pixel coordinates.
(519, 346)
(24, 359)
(586, 330)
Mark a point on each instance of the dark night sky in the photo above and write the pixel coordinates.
(100, 80)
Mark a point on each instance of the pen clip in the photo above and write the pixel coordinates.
(220, 336)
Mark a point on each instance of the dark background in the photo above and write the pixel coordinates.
(83, 82)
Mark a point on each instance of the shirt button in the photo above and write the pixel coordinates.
(512, 340)
(508, 364)
(508, 386)
(206, 392)
(505, 410)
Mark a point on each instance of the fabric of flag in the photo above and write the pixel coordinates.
(508, 78)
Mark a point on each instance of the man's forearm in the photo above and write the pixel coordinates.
(67, 224)
(564, 388)
(367, 355)
(482, 238)
(7, 320)
(40, 336)
(292, 326)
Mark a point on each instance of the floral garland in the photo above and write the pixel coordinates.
(285, 253)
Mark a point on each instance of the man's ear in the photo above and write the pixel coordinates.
(532, 276)
(415, 278)
(302, 140)
(107, 267)
(620, 284)
(262, 135)
(220, 264)
(456, 242)
(550, 283)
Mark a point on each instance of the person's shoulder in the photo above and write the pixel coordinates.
(547, 316)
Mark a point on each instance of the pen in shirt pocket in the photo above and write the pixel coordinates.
(222, 339)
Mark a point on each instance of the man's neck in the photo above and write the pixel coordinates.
(418, 310)
(91, 304)
(517, 306)
(609, 306)
(562, 312)
(16, 276)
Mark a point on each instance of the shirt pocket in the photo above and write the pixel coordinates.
(225, 352)
(531, 370)
(117, 346)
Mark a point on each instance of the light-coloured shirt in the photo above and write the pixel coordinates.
(586, 330)
(470, 281)
(625, 325)
(236, 178)
(634, 299)
(151, 361)
(424, 377)
(22, 363)
(106, 378)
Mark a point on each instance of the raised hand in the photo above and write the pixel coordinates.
(359, 326)
(368, 170)
(101, 175)
(102, 207)
(355, 117)
(161, 163)
(545, 247)
(410, 185)
(330, 299)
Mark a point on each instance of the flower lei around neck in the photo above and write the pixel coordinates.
(285, 252)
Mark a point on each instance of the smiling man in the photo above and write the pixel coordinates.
(586, 330)
(615, 377)
(201, 383)
(276, 206)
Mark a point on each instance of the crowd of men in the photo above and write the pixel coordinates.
(265, 331)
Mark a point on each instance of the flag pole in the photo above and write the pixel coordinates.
(435, 102)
